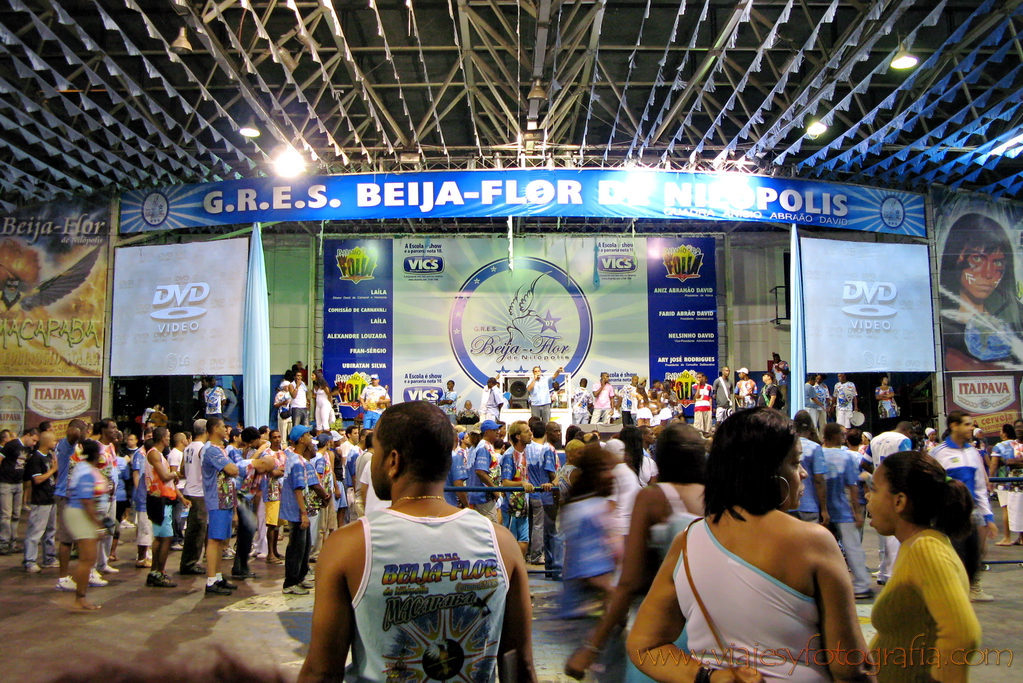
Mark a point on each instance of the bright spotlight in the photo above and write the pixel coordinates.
(289, 163)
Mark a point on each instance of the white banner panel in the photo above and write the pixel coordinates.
(476, 318)
(867, 307)
(178, 309)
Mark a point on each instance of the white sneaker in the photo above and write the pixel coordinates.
(125, 524)
(297, 589)
(33, 568)
(95, 580)
(66, 583)
(109, 570)
(977, 594)
(228, 554)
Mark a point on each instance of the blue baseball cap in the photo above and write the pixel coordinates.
(489, 425)
(298, 431)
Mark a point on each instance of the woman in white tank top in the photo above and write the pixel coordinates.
(765, 578)
(681, 457)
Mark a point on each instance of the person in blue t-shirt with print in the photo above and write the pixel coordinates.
(541, 468)
(294, 510)
(842, 477)
(82, 516)
(481, 463)
(143, 526)
(219, 488)
(813, 503)
(457, 475)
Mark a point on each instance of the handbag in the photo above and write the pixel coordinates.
(699, 601)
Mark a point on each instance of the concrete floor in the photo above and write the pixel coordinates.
(40, 635)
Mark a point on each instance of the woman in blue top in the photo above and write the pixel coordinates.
(82, 519)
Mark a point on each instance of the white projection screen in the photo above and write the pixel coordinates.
(867, 307)
(178, 309)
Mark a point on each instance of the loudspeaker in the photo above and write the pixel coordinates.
(517, 387)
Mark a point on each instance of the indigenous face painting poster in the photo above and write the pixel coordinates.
(53, 274)
(422, 311)
(979, 282)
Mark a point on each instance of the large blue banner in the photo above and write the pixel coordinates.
(357, 317)
(682, 312)
(637, 193)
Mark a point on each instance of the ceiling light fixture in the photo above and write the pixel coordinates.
(289, 163)
(903, 59)
(249, 130)
(816, 129)
(288, 60)
(537, 92)
(181, 46)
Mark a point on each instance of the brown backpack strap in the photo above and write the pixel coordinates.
(696, 593)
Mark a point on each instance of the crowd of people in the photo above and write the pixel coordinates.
(191, 492)
(724, 535)
(735, 559)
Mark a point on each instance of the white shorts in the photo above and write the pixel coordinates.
(1015, 511)
(1003, 497)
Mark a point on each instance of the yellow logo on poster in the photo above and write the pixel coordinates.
(356, 264)
(682, 384)
(683, 262)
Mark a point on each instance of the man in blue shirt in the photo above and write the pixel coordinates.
(841, 477)
(219, 490)
(449, 402)
(539, 389)
(963, 461)
(481, 462)
(294, 512)
(541, 469)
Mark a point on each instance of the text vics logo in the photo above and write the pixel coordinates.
(423, 393)
(423, 264)
(616, 263)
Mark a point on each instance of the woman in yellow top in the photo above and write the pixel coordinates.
(925, 624)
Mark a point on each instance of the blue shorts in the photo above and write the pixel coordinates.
(219, 528)
(166, 529)
(369, 420)
(519, 526)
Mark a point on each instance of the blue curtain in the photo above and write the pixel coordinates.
(256, 344)
(797, 365)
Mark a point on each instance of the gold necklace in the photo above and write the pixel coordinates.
(415, 498)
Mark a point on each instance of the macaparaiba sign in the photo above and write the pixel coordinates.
(630, 193)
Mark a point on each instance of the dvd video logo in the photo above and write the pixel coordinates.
(616, 263)
(424, 264)
(431, 394)
(866, 300)
(178, 296)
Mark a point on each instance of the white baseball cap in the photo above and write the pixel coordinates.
(743, 371)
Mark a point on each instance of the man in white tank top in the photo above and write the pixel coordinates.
(422, 585)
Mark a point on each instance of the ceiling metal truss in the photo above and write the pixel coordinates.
(95, 97)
